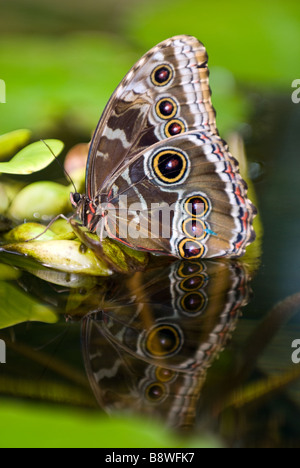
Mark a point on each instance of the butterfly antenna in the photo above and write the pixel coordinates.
(61, 166)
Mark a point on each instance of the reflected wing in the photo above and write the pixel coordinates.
(150, 347)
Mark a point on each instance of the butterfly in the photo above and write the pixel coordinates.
(159, 178)
(148, 343)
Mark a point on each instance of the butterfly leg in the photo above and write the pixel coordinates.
(125, 264)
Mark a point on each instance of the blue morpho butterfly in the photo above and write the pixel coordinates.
(157, 146)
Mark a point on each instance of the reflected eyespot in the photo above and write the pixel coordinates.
(162, 75)
(193, 303)
(193, 283)
(174, 127)
(170, 166)
(194, 228)
(155, 392)
(166, 108)
(197, 206)
(163, 341)
(164, 375)
(190, 268)
(189, 248)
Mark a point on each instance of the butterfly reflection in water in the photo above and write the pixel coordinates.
(157, 145)
(148, 346)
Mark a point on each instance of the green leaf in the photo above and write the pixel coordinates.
(28, 231)
(17, 307)
(63, 255)
(33, 158)
(73, 428)
(9, 273)
(63, 230)
(4, 202)
(57, 249)
(12, 141)
(40, 200)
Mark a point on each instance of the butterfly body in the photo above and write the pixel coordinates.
(159, 177)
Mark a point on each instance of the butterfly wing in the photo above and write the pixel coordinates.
(184, 197)
(166, 93)
(149, 348)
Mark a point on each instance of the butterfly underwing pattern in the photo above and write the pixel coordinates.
(148, 347)
(159, 177)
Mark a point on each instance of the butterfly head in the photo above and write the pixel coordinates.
(76, 199)
(86, 210)
(78, 202)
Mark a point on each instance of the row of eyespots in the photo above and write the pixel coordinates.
(167, 108)
(156, 390)
(193, 300)
(170, 166)
(196, 230)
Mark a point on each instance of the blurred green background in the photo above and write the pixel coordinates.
(62, 59)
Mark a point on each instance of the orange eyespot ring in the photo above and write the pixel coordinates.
(194, 228)
(163, 374)
(162, 75)
(193, 283)
(163, 340)
(187, 269)
(193, 303)
(170, 166)
(166, 108)
(197, 206)
(174, 127)
(190, 248)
